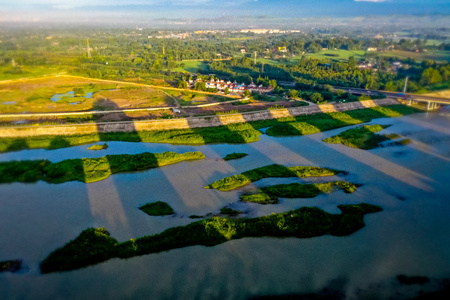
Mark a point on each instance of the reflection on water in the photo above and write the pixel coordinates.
(411, 236)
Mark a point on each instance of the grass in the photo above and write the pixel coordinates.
(87, 169)
(34, 95)
(236, 133)
(98, 147)
(157, 209)
(270, 194)
(435, 55)
(363, 137)
(342, 55)
(229, 211)
(94, 246)
(260, 198)
(237, 181)
(316, 123)
(234, 155)
(10, 266)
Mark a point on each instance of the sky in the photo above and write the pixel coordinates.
(67, 9)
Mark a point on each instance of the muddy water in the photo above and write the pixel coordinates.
(411, 236)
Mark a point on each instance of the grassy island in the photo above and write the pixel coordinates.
(229, 211)
(98, 147)
(10, 265)
(88, 169)
(270, 194)
(234, 155)
(157, 209)
(94, 246)
(237, 133)
(237, 181)
(363, 137)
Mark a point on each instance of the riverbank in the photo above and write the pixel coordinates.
(240, 129)
(188, 123)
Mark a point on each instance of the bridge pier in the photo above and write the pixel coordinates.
(432, 105)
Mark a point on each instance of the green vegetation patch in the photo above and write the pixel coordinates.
(10, 265)
(316, 123)
(260, 198)
(93, 246)
(270, 194)
(229, 211)
(98, 147)
(157, 209)
(87, 169)
(237, 181)
(363, 137)
(235, 155)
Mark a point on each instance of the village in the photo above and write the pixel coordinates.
(227, 86)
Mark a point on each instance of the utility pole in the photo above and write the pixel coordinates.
(406, 84)
(88, 49)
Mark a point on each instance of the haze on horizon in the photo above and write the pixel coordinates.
(126, 10)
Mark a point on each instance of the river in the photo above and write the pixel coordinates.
(410, 236)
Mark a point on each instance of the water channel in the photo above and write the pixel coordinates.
(410, 236)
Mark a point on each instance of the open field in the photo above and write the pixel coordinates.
(335, 54)
(433, 55)
(190, 66)
(10, 73)
(65, 94)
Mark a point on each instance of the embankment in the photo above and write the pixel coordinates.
(197, 122)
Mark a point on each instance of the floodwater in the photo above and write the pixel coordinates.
(410, 236)
(57, 97)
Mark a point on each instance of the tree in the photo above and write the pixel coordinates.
(352, 62)
(182, 84)
(316, 98)
(200, 86)
(247, 93)
(227, 91)
(293, 93)
(430, 76)
(273, 83)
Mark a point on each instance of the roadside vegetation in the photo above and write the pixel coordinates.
(237, 181)
(234, 155)
(363, 137)
(236, 133)
(94, 246)
(87, 169)
(270, 194)
(157, 209)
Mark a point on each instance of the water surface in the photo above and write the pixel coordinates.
(411, 236)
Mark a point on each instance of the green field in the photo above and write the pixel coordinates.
(10, 73)
(431, 54)
(190, 66)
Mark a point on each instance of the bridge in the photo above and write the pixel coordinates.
(405, 98)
